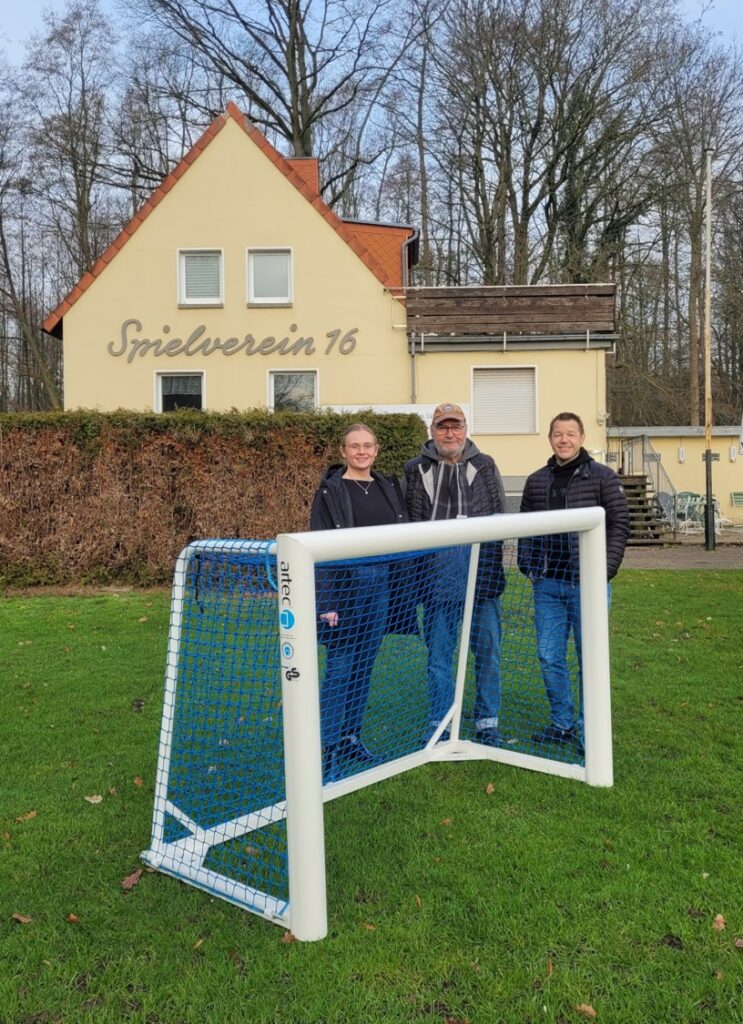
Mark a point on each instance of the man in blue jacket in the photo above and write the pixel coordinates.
(571, 479)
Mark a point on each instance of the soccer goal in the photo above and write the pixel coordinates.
(301, 670)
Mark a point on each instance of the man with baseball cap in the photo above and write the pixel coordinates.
(453, 479)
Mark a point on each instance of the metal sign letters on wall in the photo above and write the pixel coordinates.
(200, 344)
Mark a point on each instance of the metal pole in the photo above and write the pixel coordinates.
(594, 614)
(709, 508)
(305, 835)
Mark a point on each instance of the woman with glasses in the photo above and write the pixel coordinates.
(353, 603)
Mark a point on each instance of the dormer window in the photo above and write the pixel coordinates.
(200, 277)
(270, 277)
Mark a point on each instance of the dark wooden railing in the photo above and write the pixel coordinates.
(568, 309)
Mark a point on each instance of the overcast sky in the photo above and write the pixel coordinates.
(22, 17)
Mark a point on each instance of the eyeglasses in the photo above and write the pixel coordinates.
(444, 428)
(368, 447)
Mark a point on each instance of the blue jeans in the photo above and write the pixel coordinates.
(352, 648)
(556, 616)
(441, 630)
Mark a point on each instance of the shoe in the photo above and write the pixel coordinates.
(553, 734)
(351, 748)
(490, 736)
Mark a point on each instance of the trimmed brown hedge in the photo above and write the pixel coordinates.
(101, 498)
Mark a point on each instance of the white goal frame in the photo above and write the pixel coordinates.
(297, 555)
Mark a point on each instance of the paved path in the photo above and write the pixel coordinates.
(690, 554)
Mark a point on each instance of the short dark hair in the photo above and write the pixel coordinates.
(566, 416)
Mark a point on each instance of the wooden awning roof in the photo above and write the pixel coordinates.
(574, 314)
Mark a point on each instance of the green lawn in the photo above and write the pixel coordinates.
(446, 902)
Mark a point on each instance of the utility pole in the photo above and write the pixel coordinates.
(709, 508)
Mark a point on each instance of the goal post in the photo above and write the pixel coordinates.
(243, 765)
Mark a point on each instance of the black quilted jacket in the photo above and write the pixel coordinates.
(591, 484)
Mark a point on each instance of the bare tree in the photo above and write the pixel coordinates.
(301, 65)
(28, 380)
(700, 95)
(69, 70)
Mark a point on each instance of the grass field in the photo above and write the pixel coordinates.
(542, 900)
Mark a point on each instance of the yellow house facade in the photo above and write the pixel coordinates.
(236, 287)
(679, 452)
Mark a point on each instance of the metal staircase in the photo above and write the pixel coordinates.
(651, 496)
(648, 523)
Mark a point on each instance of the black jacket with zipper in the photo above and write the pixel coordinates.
(591, 483)
(332, 510)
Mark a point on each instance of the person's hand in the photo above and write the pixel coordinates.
(330, 617)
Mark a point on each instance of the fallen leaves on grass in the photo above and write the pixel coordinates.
(199, 942)
(446, 822)
(418, 901)
(21, 918)
(369, 927)
(94, 798)
(128, 883)
(28, 816)
(738, 943)
(287, 938)
(586, 1010)
(72, 919)
(719, 923)
(138, 781)
(490, 788)
(550, 968)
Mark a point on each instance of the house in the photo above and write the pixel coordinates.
(672, 458)
(235, 286)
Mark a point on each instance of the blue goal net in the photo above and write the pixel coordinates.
(396, 686)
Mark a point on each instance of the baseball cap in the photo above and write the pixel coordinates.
(448, 411)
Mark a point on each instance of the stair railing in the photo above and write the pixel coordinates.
(636, 455)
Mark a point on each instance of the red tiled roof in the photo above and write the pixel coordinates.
(307, 167)
(302, 173)
(385, 242)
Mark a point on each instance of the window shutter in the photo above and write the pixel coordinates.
(202, 276)
(185, 384)
(504, 400)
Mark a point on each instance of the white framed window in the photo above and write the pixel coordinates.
(292, 390)
(179, 391)
(200, 277)
(270, 277)
(504, 400)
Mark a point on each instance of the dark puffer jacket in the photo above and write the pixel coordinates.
(479, 490)
(331, 506)
(591, 484)
(332, 510)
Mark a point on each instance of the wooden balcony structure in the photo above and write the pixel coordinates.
(515, 317)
